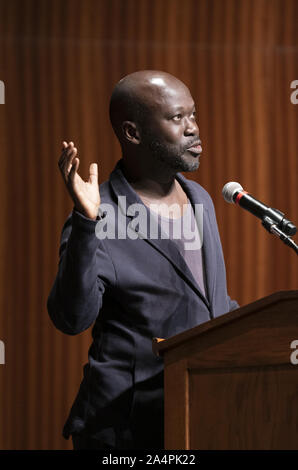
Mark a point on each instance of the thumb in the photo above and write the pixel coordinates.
(93, 173)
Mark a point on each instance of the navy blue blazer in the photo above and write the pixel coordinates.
(131, 291)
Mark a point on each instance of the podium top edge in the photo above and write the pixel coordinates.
(160, 347)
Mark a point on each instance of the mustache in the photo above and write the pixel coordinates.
(190, 144)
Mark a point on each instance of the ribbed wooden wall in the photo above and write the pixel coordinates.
(59, 60)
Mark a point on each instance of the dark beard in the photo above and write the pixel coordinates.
(172, 157)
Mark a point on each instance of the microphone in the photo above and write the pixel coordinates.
(234, 193)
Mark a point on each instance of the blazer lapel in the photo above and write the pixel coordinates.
(169, 249)
(165, 246)
(207, 248)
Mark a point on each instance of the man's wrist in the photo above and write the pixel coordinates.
(83, 222)
(81, 213)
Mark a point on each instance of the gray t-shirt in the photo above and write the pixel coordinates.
(184, 231)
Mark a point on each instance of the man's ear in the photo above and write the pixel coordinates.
(130, 132)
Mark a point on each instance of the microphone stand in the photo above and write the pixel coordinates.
(271, 227)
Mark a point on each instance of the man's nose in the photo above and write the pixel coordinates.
(191, 127)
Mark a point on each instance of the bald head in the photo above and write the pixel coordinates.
(139, 94)
(153, 115)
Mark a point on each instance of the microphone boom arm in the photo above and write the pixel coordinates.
(271, 227)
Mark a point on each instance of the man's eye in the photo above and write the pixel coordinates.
(194, 116)
(177, 117)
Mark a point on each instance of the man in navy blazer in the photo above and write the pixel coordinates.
(132, 286)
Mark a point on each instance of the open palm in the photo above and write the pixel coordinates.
(85, 194)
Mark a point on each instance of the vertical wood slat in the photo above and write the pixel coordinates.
(177, 378)
(60, 61)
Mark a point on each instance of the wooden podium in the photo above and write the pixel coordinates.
(230, 383)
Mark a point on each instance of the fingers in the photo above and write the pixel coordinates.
(71, 154)
(93, 173)
(65, 163)
(74, 168)
(69, 164)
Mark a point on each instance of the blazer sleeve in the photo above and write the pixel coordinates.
(84, 272)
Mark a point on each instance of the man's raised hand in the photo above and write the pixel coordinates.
(85, 194)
